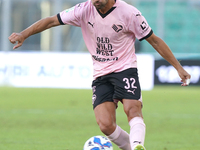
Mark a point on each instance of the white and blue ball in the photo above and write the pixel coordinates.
(98, 143)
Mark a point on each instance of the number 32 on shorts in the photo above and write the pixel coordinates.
(130, 83)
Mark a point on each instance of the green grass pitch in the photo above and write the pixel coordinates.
(63, 119)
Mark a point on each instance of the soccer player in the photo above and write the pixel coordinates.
(109, 29)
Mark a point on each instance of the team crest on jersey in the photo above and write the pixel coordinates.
(117, 28)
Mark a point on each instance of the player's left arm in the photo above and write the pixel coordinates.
(162, 48)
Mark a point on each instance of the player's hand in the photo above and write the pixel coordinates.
(185, 77)
(16, 38)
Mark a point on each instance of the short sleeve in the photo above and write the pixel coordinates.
(139, 26)
(72, 16)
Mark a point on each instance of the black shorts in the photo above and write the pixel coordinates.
(116, 86)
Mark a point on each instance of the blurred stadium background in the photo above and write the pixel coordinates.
(175, 21)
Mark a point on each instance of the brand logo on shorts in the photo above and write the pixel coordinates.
(131, 91)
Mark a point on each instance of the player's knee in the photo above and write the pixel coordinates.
(132, 112)
(132, 109)
(107, 127)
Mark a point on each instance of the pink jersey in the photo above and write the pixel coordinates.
(109, 37)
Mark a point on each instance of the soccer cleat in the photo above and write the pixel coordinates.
(139, 147)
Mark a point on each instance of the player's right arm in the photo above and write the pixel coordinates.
(35, 28)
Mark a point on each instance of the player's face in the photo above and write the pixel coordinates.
(100, 4)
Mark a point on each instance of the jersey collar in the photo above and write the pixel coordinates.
(108, 12)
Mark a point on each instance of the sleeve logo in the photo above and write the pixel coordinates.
(70, 9)
(143, 25)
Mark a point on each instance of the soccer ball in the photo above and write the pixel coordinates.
(98, 143)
